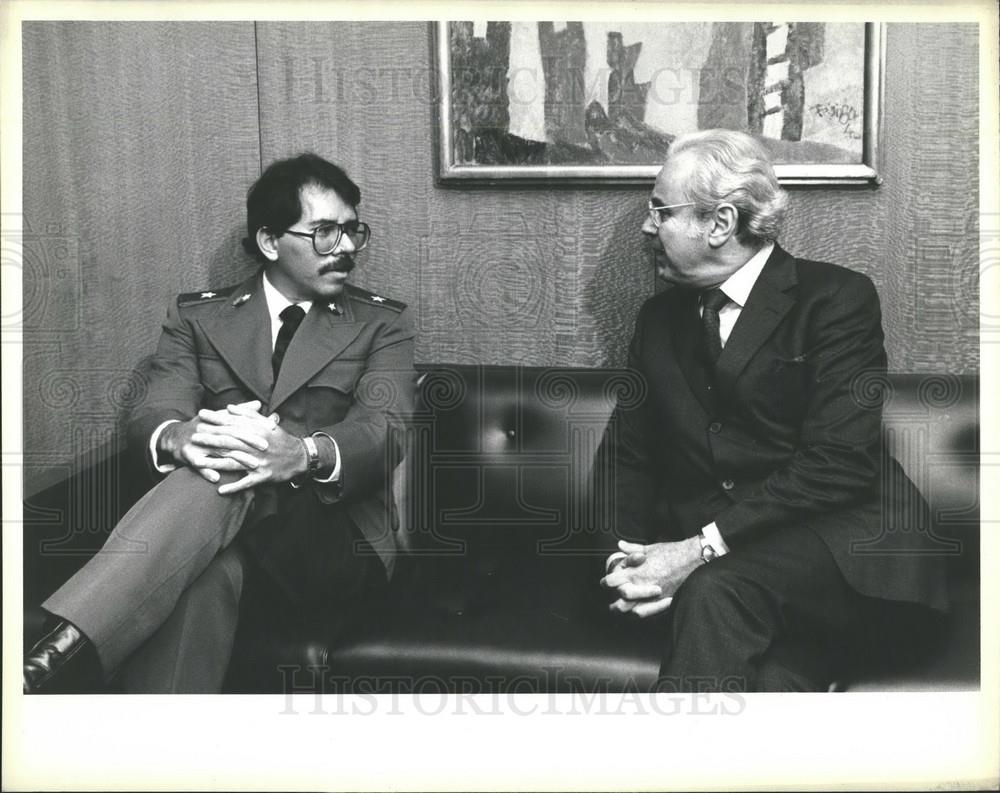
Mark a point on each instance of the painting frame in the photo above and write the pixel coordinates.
(451, 173)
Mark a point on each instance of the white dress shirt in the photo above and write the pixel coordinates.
(276, 303)
(737, 288)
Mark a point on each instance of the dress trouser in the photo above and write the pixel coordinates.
(324, 581)
(157, 552)
(190, 652)
(762, 618)
(161, 600)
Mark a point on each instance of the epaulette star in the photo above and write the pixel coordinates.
(241, 299)
(207, 296)
(370, 298)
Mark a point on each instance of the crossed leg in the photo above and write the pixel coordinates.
(162, 546)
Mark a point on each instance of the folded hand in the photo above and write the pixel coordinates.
(648, 577)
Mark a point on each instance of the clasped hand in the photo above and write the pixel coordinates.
(646, 580)
(239, 438)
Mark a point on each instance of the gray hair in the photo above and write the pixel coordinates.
(735, 168)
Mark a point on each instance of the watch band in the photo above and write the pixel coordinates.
(312, 462)
(312, 450)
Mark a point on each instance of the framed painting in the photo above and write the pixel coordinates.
(600, 102)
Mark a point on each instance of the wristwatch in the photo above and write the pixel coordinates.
(312, 450)
(708, 552)
(312, 462)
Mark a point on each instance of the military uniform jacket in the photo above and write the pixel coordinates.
(347, 372)
(785, 432)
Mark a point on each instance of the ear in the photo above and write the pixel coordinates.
(722, 225)
(268, 243)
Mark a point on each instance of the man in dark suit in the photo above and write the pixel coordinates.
(757, 509)
(271, 418)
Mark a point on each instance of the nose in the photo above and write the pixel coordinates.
(647, 226)
(346, 244)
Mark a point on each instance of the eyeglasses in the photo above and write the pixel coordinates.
(656, 211)
(325, 239)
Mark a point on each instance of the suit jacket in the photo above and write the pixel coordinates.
(348, 371)
(785, 432)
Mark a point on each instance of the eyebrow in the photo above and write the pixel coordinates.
(327, 222)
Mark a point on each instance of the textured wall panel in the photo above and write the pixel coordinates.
(930, 201)
(140, 140)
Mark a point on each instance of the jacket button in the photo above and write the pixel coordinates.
(511, 434)
(715, 426)
(728, 484)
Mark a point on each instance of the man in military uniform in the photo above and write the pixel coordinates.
(270, 417)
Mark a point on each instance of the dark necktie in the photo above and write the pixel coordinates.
(711, 301)
(291, 318)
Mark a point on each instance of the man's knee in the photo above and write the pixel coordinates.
(713, 589)
(189, 481)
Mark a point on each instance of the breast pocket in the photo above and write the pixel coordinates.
(221, 385)
(340, 375)
(789, 373)
(329, 394)
(793, 363)
(776, 388)
(216, 375)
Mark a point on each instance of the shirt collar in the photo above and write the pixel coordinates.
(277, 302)
(738, 286)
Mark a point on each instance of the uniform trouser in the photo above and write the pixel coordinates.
(190, 652)
(326, 583)
(160, 601)
(764, 617)
(165, 545)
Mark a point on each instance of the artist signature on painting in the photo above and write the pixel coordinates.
(839, 113)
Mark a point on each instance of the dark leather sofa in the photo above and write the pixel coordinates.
(498, 588)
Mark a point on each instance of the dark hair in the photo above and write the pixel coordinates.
(273, 200)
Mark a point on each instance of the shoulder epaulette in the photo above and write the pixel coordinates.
(371, 299)
(207, 296)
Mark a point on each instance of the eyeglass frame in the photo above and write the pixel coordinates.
(311, 235)
(655, 209)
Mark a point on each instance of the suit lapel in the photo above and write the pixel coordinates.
(685, 331)
(765, 308)
(321, 337)
(241, 334)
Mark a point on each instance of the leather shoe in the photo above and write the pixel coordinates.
(50, 654)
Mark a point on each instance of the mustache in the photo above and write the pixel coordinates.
(342, 265)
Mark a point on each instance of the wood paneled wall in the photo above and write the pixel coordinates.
(140, 140)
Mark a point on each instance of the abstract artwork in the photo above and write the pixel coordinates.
(602, 101)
